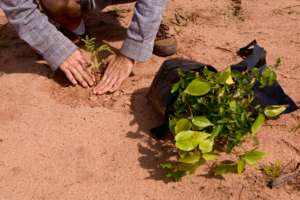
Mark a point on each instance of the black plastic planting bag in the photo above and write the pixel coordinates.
(253, 56)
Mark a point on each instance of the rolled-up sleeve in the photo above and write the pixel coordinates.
(34, 28)
(143, 29)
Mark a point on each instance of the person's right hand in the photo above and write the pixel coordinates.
(75, 68)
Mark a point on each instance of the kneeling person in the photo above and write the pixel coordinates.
(33, 27)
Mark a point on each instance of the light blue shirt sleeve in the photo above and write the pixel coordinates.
(34, 28)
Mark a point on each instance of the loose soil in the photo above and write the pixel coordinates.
(61, 142)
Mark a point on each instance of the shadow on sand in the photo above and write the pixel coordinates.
(152, 151)
(103, 26)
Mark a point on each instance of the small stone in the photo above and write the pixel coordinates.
(127, 102)
(93, 98)
(2, 163)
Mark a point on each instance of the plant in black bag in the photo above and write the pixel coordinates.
(214, 110)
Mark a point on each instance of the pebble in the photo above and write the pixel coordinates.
(93, 98)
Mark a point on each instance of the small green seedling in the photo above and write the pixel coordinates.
(273, 170)
(91, 47)
(248, 158)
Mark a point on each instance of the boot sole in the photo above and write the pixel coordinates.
(165, 47)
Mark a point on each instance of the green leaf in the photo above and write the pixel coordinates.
(190, 168)
(191, 159)
(183, 125)
(226, 77)
(274, 111)
(257, 124)
(201, 122)
(206, 146)
(172, 124)
(197, 88)
(253, 156)
(175, 87)
(244, 117)
(221, 111)
(216, 131)
(189, 140)
(268, 77)
(182, 154)
(166, 165)
(226, 110)
(241, 166)
(210, 156)
(225, 168)
(233, 106)
(176, 175)
(221, 92)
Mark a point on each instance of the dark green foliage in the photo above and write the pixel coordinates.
(218, 108)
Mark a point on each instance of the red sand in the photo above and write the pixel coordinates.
(57, 143)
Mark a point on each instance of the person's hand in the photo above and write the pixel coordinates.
(118, 69)
(75, 68)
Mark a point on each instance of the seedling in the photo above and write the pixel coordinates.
(95, 51)
(273, 170)
(217, 108)
(285, 178)
(248, 158)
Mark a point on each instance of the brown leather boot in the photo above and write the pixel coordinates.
(165, 44)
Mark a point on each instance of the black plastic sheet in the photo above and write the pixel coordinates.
(253, 56)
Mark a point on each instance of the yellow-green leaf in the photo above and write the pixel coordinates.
(166, 165)
(206, 145)
(201, 122)
(274, 111)
(197, 88)
(241, 166)
(190, 168)
(189, 140)
(172, 124)
(191, 159)
(252, 157)
(217, 129)
(226, 77)
(233, 106)
(175, 87)
(182, 154)
(210, 156)
(221, 92)
(257, 124)
(182, 125)
(225, 168)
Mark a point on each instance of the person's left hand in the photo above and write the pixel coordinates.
(118, 69)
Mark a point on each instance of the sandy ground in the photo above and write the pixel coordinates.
(56, 143)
